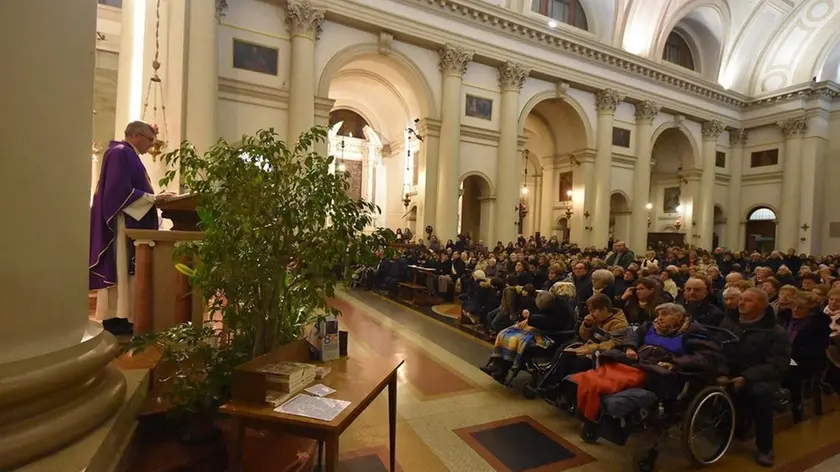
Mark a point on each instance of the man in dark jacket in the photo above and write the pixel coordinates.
(695, 299)
(757, 365)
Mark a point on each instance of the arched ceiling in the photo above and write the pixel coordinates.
(749, 46)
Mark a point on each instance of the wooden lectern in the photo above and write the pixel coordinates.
(163, 297)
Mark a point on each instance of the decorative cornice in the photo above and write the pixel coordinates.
(794, 127)
(762, 178)
(646, 112)
(712, 129)
(248, 89)
(607, 100)
(454, 60)
(512, 76)
(303, 19)
(738, 137)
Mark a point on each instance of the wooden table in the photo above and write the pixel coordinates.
(358, 380)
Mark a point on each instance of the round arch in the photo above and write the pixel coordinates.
(413, 75)
(719, 210)
(624, 196)
(827, 66)
(759, 206)
(574, 104)
(695, 150)
(725, 16)
(482, 176)
(761, 232)
(358, 109)
(593, 19)
(356, 73)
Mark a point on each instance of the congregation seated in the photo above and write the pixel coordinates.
(695, 299)
(511, 342)
(515, 299)
(647, 358)
(641, 300)
(756, 365)
(483, 296)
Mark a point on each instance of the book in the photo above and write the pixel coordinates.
(287, 371)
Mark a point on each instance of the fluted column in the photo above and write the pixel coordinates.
(787, 232)
(646, 112)
(606, 101)
(453, 66)
(711, 131)
(737, 141)
(508, 173)
(56, 382)
(202, 88)
(304, 23)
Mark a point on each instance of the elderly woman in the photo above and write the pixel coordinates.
(647, 357)
(603, 281)
(808, 330)
(731, 299)
(511, 342)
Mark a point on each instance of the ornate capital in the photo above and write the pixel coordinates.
(512, 76)
(303, 19)
(454, 59)
(738, 137)
(712, 129)
(607, 100)
(646, 111)
(794, 127)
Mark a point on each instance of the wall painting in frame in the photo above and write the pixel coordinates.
(255, 57)
(479, 107)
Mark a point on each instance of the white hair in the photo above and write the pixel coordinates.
(137, 127)
(604, 276)
(671, 309)
(731, 292)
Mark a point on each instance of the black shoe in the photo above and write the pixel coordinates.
(589, 432)
(118, 326)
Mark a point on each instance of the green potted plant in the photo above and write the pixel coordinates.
(280, 231)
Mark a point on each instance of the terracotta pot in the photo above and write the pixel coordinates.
(263, 451)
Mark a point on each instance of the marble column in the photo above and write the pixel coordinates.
(787, 231)
(711, 131)
(646, 112)
(606, 101)
(56, 381)
(202, 88)
(453, 66)
(737, 141)
(304, 24)
(508, 163)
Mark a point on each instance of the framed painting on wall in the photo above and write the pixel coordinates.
(671, 200)
(479, 107)
(255, 57)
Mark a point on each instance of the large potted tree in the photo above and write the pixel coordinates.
(280, 231)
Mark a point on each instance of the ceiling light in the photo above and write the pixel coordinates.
(552, 24)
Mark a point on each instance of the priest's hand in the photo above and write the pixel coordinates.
(163, 197)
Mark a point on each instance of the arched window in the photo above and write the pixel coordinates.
(677, 51)
(762, 214)
(352, 124)
(567, 11)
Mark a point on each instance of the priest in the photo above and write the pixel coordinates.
(124, 198)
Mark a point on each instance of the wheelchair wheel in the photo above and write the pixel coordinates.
(708, 426)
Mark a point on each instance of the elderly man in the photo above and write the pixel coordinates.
(124, 198)
(620, 256)
(695, 299)
(757, 366)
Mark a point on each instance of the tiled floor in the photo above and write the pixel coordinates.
(453, 417)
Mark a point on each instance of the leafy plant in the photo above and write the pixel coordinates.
(280, 231)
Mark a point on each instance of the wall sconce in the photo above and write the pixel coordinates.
(678, 225)
(679, 208)
(586, 214)
(406, 200)
(569, 213)
(587, 228)
(413, 132)
(805, 227)
(694, 223)
(573, 160)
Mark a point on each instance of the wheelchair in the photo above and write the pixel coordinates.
(537, 361)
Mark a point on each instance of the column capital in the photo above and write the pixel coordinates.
(607, 100)
(303, 19)
(794, 127)
(646, 112)
(512, 76)
(454, 60)
(738, 137)
(712, 129)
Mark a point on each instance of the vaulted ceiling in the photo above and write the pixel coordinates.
(750, 46)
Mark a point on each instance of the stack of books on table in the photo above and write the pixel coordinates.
(288, 376)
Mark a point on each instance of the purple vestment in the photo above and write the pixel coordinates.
(122, 180)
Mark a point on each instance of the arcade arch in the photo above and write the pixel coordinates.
(377, 98)
(619, 216)
(674, 179)
(475, 208)
(555, 129)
